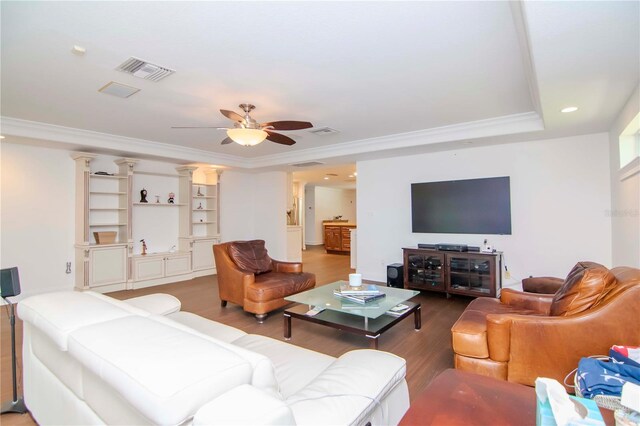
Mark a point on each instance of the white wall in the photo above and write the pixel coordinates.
(311, 235)
(560, 195)
(327, 203)
(37, 216)
(254, 206)
(270, 208)
(625, 194)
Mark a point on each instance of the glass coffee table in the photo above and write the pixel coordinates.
(370, 319)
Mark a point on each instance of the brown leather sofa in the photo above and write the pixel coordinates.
(248, 277)
(524, 335)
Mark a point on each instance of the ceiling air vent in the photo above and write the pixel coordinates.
(143, 69)
(309, 164)
(323, 131)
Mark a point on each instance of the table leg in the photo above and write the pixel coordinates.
(417, 318)
(287, 327)
(374, 342)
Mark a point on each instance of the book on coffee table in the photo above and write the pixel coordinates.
(363, 290)
(360, 298)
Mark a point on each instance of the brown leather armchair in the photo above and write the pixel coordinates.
(248, 277)
(524, 335)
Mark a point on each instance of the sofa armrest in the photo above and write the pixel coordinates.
(539, 303)
(158, 303)
(544, 285)
(354, 390)
(245, 405)
(287, 267)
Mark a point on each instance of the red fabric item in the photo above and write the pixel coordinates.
(631, 352)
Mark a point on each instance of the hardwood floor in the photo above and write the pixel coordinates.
(427, 351)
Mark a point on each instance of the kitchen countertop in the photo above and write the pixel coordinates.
(338, 224)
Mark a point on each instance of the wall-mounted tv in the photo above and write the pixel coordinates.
(472, 206)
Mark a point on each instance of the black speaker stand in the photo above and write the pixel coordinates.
(16, 405)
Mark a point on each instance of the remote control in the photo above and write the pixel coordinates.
(314, 311)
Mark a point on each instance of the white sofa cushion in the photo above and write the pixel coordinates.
(166, 373)
(295, 367)
(263, 376)
(211, 328)
(257, 408)
(349, 390)
(58, 314)
(157, 303)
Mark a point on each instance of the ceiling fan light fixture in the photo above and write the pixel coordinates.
(247, 137)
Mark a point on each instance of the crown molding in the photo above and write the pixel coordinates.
(499, 126)
(86, 139)
(519, 15)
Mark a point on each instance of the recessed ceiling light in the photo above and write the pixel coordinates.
(569, 109)
(351, 176)
(326, 178)
(1, 137)
(118, 89)
(355, 173)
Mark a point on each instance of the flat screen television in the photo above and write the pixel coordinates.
(472, 206)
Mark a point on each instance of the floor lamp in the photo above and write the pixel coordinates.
(10, 286)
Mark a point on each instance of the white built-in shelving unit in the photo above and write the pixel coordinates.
(179, 236)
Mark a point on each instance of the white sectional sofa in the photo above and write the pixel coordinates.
(91, 359)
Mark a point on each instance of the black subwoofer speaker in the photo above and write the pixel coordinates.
(395, 275)
(9, 282)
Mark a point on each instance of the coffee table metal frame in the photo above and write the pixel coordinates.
(368, 324)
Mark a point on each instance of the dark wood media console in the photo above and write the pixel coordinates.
(468, 273)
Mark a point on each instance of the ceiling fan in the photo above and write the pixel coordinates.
(248, 132)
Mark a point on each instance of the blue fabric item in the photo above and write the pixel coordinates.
(618, 357)
(597, 377)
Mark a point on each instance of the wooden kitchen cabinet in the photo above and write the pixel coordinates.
(337, 237)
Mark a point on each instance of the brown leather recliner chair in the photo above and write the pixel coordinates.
(248, 277)
(523, 335)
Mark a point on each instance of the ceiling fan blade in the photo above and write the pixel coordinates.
(226, 141)
(287, 125)
(278, 138)
(199, 127)
(232, 115)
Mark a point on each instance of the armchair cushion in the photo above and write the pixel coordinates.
(585, 286)
(470, 331)
(250, 256)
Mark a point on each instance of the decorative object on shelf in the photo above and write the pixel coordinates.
(157, 199)
(337, 217)
(172, 249)
(200, 220)
(143, 196)
(144, 247)
(171, 197)
(199, 194)
(104, 174)
(199, 206)
(105, 237)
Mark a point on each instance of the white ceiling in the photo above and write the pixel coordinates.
(387, 75)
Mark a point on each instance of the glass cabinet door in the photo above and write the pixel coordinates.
(425, 271)
(470, 274)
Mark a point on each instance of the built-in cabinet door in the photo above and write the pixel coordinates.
(177, 265)
(203, 254)
(107, 265)
(148, 268)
